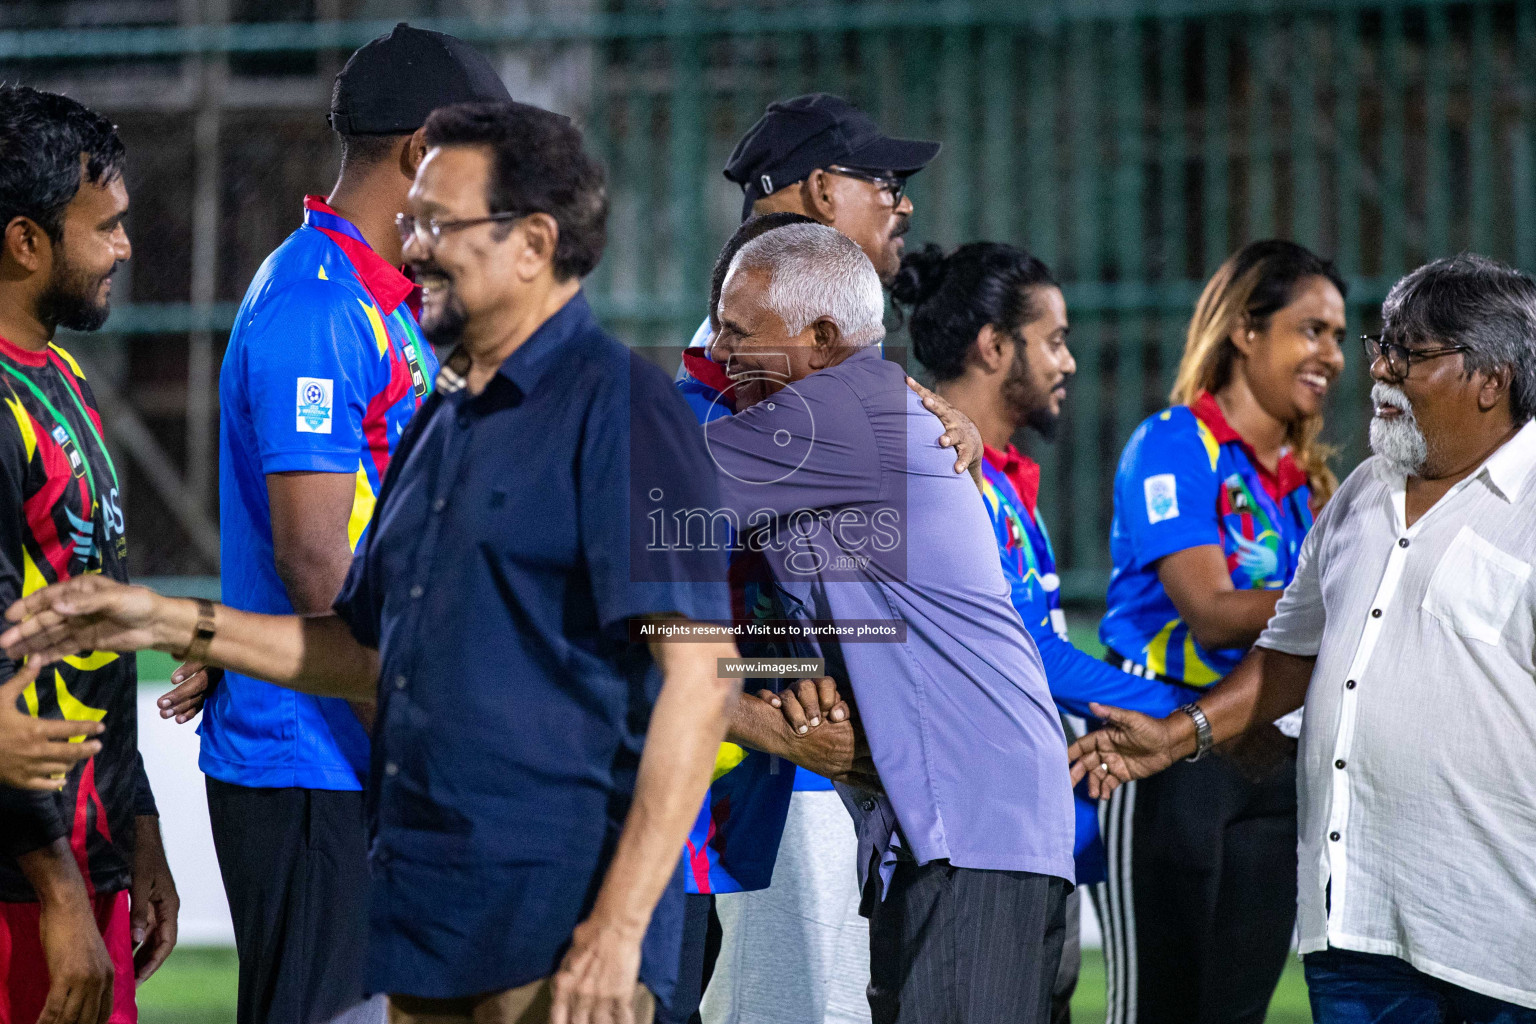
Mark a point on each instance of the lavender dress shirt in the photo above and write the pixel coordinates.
(840, 479)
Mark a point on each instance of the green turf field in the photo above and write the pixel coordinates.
(197, 986)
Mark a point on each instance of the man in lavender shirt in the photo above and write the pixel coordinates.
(834, 473)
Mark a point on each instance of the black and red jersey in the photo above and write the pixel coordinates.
(61, 516)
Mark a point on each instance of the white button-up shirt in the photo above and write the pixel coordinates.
(1417, 778)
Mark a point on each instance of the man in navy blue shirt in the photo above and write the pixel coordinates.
(325, 366)
(536, 763)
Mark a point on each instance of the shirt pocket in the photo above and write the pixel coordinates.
(1476, 587)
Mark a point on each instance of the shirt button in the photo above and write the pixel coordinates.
(439, 504)
(869, 805)
(1402, 542)
(1339, 764)
(1333, 836)
(463, 421)
(399, 682)
(417, 591)
(1349, 685)
(390, 768)
(1375, 613)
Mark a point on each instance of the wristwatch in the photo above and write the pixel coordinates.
(1202, 730)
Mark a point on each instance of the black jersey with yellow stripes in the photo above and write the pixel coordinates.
(61, 516)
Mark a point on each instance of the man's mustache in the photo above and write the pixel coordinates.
(421, 270)
(1383, 393)
(903, 225)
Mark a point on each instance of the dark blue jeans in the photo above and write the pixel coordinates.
(1365, 988)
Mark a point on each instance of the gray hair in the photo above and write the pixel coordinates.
(1478, 302)
(815, 272)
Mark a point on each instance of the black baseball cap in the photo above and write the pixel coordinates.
(795, 137)
(391, 84)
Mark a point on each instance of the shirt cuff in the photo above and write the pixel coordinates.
(310, 461)
(1298, 646)
(1161, 544)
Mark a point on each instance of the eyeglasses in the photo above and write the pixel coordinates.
(1400, 357)
(429, 232)
(893, 187)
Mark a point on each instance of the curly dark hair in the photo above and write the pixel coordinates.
(951, 298)
(42, 137)
(539, 165)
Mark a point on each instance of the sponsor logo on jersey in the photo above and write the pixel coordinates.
(314, 412)
(1162, 497)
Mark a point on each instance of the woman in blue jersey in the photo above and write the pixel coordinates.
(1212, 499)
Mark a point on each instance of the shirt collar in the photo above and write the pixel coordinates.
(1021, 471)
(1510, 467)
(25, 357)
(709, 373)
(388, 286)
(527, 365)
(1287, 476)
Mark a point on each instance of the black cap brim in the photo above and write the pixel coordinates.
(903, 157)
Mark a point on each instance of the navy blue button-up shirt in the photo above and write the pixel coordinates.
(507, 555)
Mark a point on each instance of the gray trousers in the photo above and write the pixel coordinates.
(955, 945)
(1071, 961)
(797, 951)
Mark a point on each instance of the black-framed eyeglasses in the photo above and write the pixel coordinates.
(1400, 357)
(430, 231)
(893, 187)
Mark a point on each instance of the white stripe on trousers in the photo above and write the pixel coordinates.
(1114, 900)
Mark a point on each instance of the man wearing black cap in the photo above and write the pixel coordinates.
(325, 366)
(821, 156)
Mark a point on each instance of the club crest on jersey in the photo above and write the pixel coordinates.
(314, 405)
(67, 443)
(418, 379)
(1237, 495)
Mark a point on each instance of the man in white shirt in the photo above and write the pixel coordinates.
(1409, 634)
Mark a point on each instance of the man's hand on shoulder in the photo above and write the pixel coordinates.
(959, 432)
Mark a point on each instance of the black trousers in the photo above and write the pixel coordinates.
(953, 945)
(295, 869)
(1200, 903)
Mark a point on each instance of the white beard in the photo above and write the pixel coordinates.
(1398, 441)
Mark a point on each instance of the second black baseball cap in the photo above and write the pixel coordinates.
(391, 84)
(795, 137)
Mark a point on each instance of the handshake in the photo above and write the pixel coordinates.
(810, 724)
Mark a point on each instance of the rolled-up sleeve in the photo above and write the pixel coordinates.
(651, 533)
(1297, 625)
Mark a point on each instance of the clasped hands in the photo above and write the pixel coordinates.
(821, 732)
